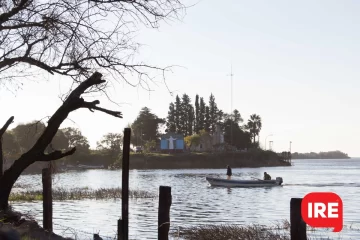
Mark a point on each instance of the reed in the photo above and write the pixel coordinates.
(279, 231)
(61, 194)
(225, 232)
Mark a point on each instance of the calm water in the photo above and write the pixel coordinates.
(195, 203)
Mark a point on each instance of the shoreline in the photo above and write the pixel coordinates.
(157, 161)
(25, 227)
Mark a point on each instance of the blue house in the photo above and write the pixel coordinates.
(172, 142)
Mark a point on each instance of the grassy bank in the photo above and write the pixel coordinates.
(280, 231)
(252, 158)
(79, 194)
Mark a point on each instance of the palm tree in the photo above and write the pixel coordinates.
(254, 126)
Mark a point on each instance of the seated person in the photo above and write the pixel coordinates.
(267, 176)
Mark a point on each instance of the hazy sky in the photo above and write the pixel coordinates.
(296, 64)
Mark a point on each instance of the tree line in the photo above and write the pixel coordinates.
(20, 139)
(321, 155)
(195, 119)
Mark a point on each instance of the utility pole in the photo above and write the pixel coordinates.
(231, 106)
(266, 139)
(290, 146)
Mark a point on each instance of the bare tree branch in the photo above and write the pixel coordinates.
(6, 125)
(92, 105)
(56, 155)
(77, 37)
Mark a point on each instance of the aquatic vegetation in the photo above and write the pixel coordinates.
(61, 194)
(279, 231)
(225, 232)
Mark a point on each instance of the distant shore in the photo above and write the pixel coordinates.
(250, 159)
(191, 160)
(321, 155)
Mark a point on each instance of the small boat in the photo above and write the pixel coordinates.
(221, 182)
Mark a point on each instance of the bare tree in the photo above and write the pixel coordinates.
(78, 39)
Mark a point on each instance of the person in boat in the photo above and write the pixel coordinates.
(267, 176)
(228, 172)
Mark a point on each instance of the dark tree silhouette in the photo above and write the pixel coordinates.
(78, 39)
(37, 153)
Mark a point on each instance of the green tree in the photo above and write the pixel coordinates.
(202, 114)
(213, 113)
(191, 120)
(187, 115)
(76, 139)
(192, 140)
(237, 116)
(178, 111)
(197, 114)
(26, 134)
(146, 127)
(207, 124)
(149, 145)
(170, 123)
(184, 116)
(10, 147)
(110, 144)
(235, 136)
(254, 125)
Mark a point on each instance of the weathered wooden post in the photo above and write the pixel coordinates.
(297, 224)
(47, 199)
(164, 212)
(123, 223)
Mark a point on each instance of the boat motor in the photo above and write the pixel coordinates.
(279, 180)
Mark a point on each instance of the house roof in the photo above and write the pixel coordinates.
(174, 135)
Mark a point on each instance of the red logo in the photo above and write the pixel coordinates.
(323, 209)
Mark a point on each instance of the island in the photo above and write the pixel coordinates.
(321, 155)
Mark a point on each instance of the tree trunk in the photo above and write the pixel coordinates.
(2, 132)
(1, 159)
(8, 180)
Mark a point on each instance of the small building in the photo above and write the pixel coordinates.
(172, 142)
(205, 144)
(217, 136)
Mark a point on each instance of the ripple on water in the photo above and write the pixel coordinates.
(195, 203)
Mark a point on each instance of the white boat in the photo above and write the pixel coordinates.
(221, 182)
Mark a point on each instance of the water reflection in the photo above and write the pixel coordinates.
(195, 202)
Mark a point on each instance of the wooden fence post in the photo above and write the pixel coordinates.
(47, 199)
(297, 224)
(120, 229)
(164, 212)
(123, 230)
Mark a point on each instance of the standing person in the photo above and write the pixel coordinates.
(228, 172)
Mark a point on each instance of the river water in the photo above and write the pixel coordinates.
(196, 203)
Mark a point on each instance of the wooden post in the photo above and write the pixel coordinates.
(47, 199)
(297, 224)
(119, 229)
(164, 213)
(125, 186)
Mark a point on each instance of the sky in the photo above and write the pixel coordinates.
(294, 63)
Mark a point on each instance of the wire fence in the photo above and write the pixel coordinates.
(78, 234)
